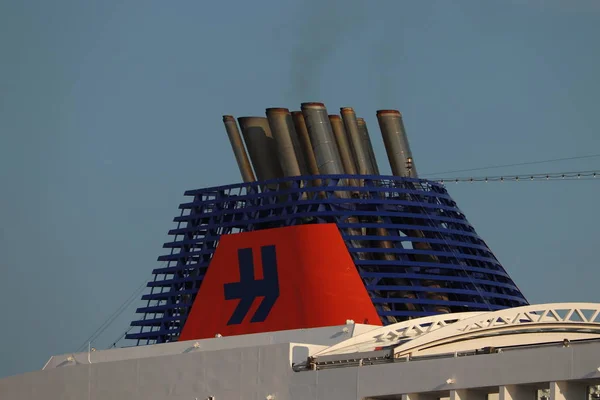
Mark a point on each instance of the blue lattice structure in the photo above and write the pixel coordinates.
(414, 249)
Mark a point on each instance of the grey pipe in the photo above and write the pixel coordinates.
(396, 143)
(401, 161)
(337, 125)
(261, 147)
(280, 122)
(238, 148)
(321, 137)
(385, 244)
(360, 155)
(305, 144)
(368, 146)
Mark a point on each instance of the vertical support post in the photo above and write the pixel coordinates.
(517, 392)
(419, 396)
(567, 391)
(466, 394)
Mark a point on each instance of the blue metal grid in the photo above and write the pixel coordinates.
(414, 249)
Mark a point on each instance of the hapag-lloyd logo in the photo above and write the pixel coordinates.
(249, 288)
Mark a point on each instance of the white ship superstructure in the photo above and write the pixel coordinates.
(545, 352)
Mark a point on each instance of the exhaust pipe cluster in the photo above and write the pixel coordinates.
(313, 142)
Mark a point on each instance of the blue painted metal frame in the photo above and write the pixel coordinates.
(405, 236)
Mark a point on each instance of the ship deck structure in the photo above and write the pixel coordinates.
(545, 352)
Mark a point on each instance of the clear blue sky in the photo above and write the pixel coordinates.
(110, 110)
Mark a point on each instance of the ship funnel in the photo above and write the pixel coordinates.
(282, 128)
(322, 139)
(396, 143)
(396, 235)
(261, 147)
(238, 148)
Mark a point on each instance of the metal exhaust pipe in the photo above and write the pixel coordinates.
(368, 145)
(380, 231)
(307, 151)
(363, 163)
(305, 144)
(396, 143)
(322, 139)
(401, 161)
(238, 148)
(337, 125)
(280, 122)
(261, 147)
(360, 154)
